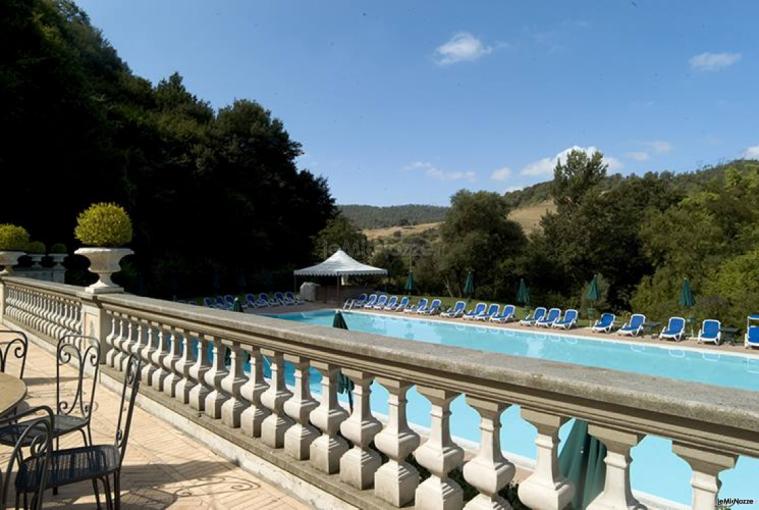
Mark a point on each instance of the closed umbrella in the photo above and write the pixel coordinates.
(469, 284)
(523, 293)
(409, 287)
(687, 300)
(592, 294)
(236, 305)
(344, 384)
(581, 461)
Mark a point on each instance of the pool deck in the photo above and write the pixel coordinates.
(583, 331)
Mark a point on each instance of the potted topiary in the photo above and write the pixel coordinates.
(104, 229)
(58, 252)
(13, 241)
(36, 250)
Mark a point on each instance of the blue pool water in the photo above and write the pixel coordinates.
(655, 469)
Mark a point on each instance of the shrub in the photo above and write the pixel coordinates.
(58, 248)
(35, 247)
(104, 225)
(13, 237)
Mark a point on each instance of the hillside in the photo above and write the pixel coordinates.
(371, 217)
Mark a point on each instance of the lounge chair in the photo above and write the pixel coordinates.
(266, 300)
(634, 327)
(209, 302)
(752, 337)
(433, 309)
(478, 310)
(457, 310)
(568, 321)
(605, 323)
(296, 300)
(391, 303)
(250, 301)
(402, 304)
(549, 319)
(419, 306)
(280, 297)
(493, 310)
(710, 332)
(674, 331)
(535, 316)
(371, 301)
(359, 301)
(506, 315)
(381, 302)
(220, 303)
(229, 300)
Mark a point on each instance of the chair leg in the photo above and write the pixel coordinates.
(89, 433)
(117, 489)
(57, 447)
(108, 500)
(96, 489)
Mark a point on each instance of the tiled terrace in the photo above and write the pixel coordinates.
(164, 468)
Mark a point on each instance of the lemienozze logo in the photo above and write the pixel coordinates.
(726, 503)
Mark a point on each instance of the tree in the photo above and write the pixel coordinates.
(340, 233)
(576, 177)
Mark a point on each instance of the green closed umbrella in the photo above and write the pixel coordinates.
(469, 284)
(523, 293)
(581, 461)
(344, 384)
(687, 300)
(409, 287)
(236, 305)
(592, 294)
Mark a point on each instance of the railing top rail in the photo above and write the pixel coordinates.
(51, 287)
(580, 391)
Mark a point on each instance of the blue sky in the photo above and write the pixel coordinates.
(406, 102)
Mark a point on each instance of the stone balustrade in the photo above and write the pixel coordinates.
(198, 357)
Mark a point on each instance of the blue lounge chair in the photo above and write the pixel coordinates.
(402, 304)
(419, 306)
(605, 323)
(549, 319)
(710, 332)
(371, 301)
(391, 303)
(280, 297)
(674, 331)
(359, 301)
(634, 327)
(506, 315)
(250, 301)
(229, 300)
(266, 300)
(535, 316)
(568, 322)
(493, 310)
(381, 302)
(457, 310)
(295, 299)
(478, 310)
(209, 302)
(432, 309)
(752, 337)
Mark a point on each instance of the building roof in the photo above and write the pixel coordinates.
(340, 264)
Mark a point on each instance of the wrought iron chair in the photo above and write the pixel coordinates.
(97, 463)
(16, 347)
(74, 413)
(35, 432)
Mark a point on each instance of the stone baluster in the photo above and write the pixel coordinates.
(185, 384)
(232, 409)
(60, 329)
(276, 424)
(545, 487)
(198, 371)
(440, 455)
(299, 437)
(170, 361)
(48, 328)
(126, 345)
(254, 415)
(396, 480)
(326, 450)
(706, 465)
(216, 397)
(358, 465)
(37, 312)
(110, 340)
(147, 348)
(70, 321)
(157, 357)
(617, 493)
(488, 471)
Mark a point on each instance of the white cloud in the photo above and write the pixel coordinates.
(637, 155)
(659, 146)
(713, 61)
(501, 174)
(431, 170)
(751, 152)
(462, 47)
(545, 166)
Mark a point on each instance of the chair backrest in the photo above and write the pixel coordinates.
(710, 328)
(436, 303)
(81, 353)
(553, 314)
(372, 299)
(264, 296)
(250, 298)
(539, 313)
(392, 301)
(508, 310)
(361, 297)
(676, 324)
(422, 304)
(637, 320)
(13, 345)
(459, 306)
(753, 334)
(493, 309)
(480, 308)
(279, 295)
(131, 383)
(404, 301)
(208, 301)
(38, 420)
(382, 299)
(229, 299)
(570, 315)
(607, 319)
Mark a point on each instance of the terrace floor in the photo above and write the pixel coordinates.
(163, 468)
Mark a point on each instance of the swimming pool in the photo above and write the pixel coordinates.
(655, 469)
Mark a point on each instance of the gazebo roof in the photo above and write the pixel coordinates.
(340, 264)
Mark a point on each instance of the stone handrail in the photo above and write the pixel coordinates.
(709, 426)
(45, 308)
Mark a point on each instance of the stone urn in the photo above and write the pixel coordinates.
(104, 262)
(57, 258)
(36, 259)
(8, 259)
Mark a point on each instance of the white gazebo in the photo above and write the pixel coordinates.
(340, 265)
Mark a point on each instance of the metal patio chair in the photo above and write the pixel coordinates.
(15, 347)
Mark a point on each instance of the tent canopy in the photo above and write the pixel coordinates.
(340, 264)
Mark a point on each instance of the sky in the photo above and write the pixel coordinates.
(399, 102)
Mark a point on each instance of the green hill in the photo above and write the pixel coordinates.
(369, 216)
